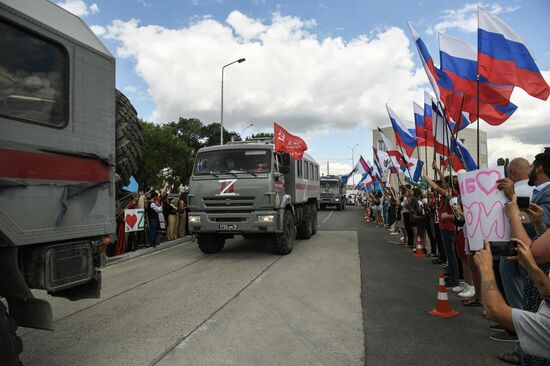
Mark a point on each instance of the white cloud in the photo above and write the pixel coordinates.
(292, 76)
(465, 18)
(336, 168)
(510, 147)
(78, 7)
(98, 30)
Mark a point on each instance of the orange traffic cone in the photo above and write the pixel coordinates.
(419, 251)
(443, 305)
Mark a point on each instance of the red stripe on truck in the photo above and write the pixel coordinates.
(33, 165)
(304, 186)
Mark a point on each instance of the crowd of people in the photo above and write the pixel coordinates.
(514, 290)
(165, 218)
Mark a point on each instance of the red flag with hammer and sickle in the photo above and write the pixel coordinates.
(287, 142)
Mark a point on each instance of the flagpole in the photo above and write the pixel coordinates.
(477, 81)
(404, 161)
(435, 137)
(448, 129)
(426, 147)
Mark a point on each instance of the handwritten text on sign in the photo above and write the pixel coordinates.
(133, 219)
(483, 204)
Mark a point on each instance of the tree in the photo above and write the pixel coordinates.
(262, 135)
(503, 162)
(171, 147)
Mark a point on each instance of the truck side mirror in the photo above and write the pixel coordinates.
(285, 169)
(286, 159)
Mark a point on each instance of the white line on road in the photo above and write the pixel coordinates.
(328, 217)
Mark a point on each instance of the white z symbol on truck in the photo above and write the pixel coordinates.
(227, 187)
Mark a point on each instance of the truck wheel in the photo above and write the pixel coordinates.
(10, 344)
(343, 205)
(338, 207)
(129, 140)
(210, 244)
(305, 226)
(313, 219)
(284, 242)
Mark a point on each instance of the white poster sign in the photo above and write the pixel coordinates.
(134, 219)
(483, 204)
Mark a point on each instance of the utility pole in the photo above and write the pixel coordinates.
(328, 169)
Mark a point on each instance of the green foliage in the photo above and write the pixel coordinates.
(174, 145)
(262, 135)
(503, 162)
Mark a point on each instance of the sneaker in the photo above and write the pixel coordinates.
(459, 288)
(504, 337)
(469, 291)
(394, 233)
(402, 238)
(497, 328)
(512, 357)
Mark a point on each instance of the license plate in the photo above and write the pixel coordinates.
(227, 227)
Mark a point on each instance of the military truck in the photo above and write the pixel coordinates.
(332, 192)
(67, 140)
(248, 189)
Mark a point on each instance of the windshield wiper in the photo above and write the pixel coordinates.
(207, 173)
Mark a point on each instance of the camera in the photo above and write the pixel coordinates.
(503, 248)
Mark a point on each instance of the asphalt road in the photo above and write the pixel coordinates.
(348, 296)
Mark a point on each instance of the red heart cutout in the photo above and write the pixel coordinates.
(487, 181)
(131, 220)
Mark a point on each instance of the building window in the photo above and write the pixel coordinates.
(34, 74)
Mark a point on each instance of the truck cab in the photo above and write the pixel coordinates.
(332, 192)
(248, 189)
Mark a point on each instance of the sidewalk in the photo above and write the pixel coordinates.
(144, 251)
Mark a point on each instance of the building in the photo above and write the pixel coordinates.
(468, 136)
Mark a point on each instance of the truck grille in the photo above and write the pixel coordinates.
(228, 203)
(327, 195)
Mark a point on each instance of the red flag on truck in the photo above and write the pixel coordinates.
(287, 142)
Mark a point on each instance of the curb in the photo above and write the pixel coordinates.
(141, 252)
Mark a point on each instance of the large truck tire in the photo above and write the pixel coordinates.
(305, 226)
(210, 244)
(338, 207)
(284, 242)
(10, 344)
(313, 219)
(129, 139)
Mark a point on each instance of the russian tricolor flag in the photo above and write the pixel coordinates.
(403, 133)
(445, 145)
(414, 167)
(459, 62)
(428, 124)
(504, 58)
(421, 132)
(426, 59)
(456, 102)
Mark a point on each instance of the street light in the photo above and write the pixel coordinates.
(353, 160)
(250, 125)
(221, 119)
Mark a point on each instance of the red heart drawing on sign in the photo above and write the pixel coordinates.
(131, 220)
(487, 181)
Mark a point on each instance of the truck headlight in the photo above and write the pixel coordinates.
(194, 218)
(337, 199)
(266, 219)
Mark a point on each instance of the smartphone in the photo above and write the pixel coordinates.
(523, 202)
(503, 248)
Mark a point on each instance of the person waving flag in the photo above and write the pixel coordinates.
(504, 58)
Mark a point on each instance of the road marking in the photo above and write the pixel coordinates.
(328, 217)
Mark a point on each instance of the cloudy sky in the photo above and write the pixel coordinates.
(321, 69)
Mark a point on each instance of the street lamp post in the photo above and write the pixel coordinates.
(353, 160)
(221, 118)
(250, 125)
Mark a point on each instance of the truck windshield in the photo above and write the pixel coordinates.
(329, 184)
(245, 161)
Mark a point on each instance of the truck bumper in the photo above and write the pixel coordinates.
(256, 222)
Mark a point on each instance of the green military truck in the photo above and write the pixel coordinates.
(248, 189)
(333, 192)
